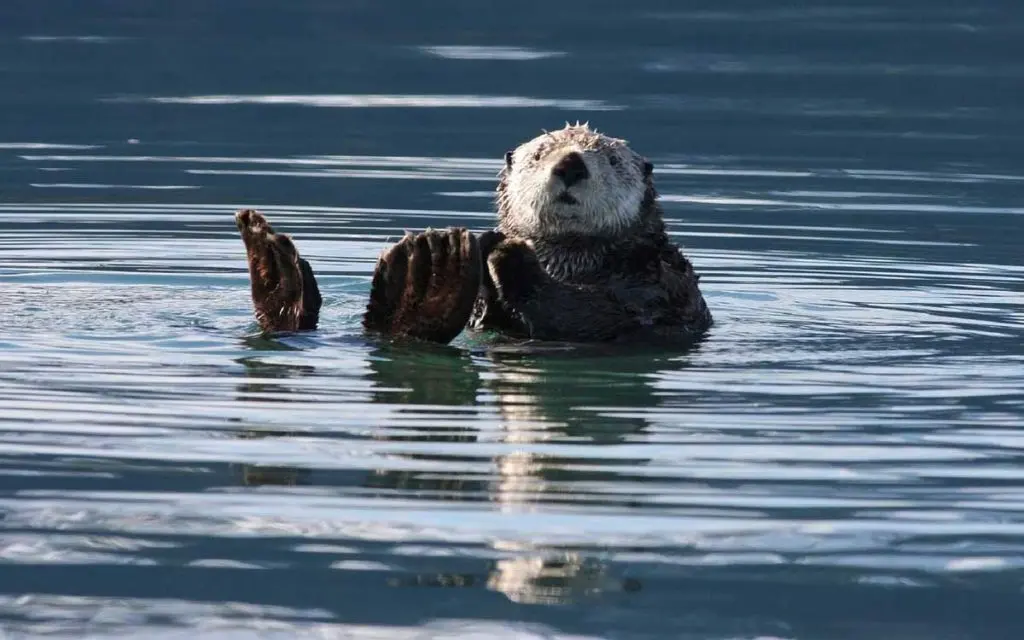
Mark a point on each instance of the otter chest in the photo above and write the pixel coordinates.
(573, 264)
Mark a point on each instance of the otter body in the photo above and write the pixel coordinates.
(579, 254)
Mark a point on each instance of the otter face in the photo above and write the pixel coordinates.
(575, 180)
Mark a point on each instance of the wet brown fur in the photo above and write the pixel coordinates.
(590, 287)
(424, 286)
(284, 290)
(538, 283)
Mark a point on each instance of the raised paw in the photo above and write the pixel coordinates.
(489, 240)
(424, 286)
(284, 290)
(514, 269)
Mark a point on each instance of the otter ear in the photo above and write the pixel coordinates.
(648, 168)
(508, 159)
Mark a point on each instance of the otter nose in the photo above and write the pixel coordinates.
(571, 169)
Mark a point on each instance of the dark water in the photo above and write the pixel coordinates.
(839, 459)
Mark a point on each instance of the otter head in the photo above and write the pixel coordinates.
(572, 181)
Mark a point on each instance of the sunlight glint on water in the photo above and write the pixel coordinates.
(846, 437)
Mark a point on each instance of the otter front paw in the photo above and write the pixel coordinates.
(284, 290)
(515, 270)
(425, 286)
(489, 240)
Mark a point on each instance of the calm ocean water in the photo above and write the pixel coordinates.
(841, 458)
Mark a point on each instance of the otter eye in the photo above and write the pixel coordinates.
(536, 156)
(508, 159)
(648, 168)
(614, 161)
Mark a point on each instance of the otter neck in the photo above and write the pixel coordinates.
(574, 258)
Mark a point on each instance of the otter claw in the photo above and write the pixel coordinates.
(425, 285)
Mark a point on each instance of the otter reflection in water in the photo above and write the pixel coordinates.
(520, 399)
(267, 382)
(534, 576)
(524, 399)
(580, 254)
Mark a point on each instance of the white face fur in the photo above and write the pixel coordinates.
(538, 199)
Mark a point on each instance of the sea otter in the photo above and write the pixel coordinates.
(580, 254)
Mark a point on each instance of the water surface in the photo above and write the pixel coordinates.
(838, 459)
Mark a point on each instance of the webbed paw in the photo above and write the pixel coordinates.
(284, 290)
(515, 270)
(488, 241)
(425, 285)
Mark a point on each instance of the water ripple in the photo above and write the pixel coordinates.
(840, 457)
(386, 101)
